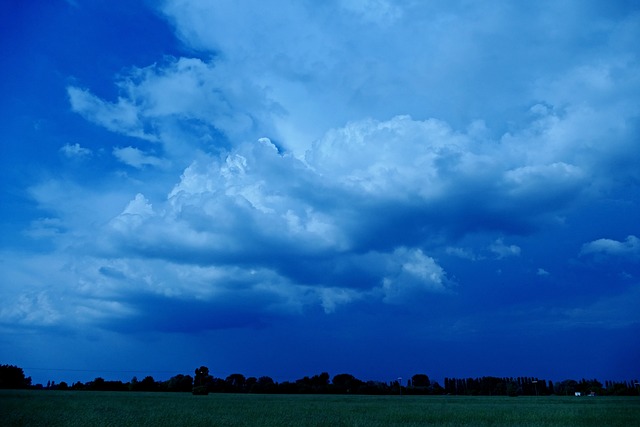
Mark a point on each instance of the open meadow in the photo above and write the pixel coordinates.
(73, 408)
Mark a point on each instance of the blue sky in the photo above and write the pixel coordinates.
(280, 188)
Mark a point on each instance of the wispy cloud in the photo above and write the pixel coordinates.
(137, 158)
(121, 117)
(501, 250)
(75, 151)
(630, 247)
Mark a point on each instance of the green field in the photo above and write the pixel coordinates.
(72, 408)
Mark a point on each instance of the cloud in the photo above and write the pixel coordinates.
(414, 275)
(502, 251)
(350, 221)
(542, 272)
(75, 151)
(630, 247)
(121, 117)
(184, 104)
(137, 158)
(331, 298)
(127, 294)
(45, 228)
(464, 253)
(55, 291)
(375, 185)
(356, 59)
(441, 171)
(31, 309)
(327, 168)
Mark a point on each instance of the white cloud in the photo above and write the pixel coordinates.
(139, 206)
(413, 274)
(464, 253)
(354, 59)
(501, 250)
(56, 290)
(191, 89)
(254, 193)
(75, 151)
(332, 297)
(137, 158)
(31, 309)
(238, 204)
(77, 291)
(185, 104)
(630, 247)
(528, 180)
(392, 158)
(121, 117)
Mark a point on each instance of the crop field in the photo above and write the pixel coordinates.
(72, 408)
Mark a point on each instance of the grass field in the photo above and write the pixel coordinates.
(69, 408)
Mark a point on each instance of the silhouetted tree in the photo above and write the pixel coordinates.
(218, 385)
(99, 384)
(374, 388)
(250, 383)
(264, 385)
(202, 381)
(179, 383)
(420, 380)
(451, 386)
(436, 388)
(13, 377)
(622, 388)
(235, 383)
(148, 384)
(345, 383)
(513, 388)
(320, 383)
(566, 387)
(317, 384)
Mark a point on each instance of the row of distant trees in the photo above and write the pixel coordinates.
(203, 382)
(529, 386)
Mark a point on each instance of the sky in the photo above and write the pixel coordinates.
(281, 188)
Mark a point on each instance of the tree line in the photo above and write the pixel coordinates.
(529, 386)
(202, 382)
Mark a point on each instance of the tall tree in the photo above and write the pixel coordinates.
(346, 383)
(202, 380)
(13, 377)
(420, 380)
(236, 382)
